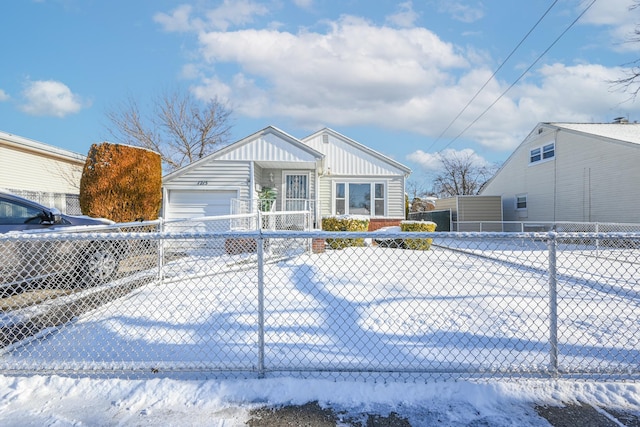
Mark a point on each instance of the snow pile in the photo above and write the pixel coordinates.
(44, 400)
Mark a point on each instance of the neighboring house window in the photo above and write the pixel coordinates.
(548, 151)
(545, 152)
(521, 201)
(360, 198)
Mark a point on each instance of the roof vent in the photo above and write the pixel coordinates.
(325, 138)
(620, 120)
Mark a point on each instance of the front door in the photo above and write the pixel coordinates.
(296, 192)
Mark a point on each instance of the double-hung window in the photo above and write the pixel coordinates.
(546, 152)
(360, 198)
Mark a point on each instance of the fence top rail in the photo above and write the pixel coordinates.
(105, 234)
(534, 223)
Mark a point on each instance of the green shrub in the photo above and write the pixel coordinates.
(418, 226)
(345, 223)
(121, 182)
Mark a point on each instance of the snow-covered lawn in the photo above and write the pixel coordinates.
(356, 309)
(360, 309)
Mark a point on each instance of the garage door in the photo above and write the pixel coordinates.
(193, 204)
(187, 204)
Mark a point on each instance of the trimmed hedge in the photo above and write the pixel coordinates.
(345, 223)
(418, 226)
(121, 183)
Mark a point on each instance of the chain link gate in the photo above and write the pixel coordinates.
(263, 303)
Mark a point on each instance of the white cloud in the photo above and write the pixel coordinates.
(432, 162)
(619, 16)
(229, 13)
(303, 4)
(462, 12)
(405, 17)
(353, 68)
(49, 98)
(356, 73)
(4, 96)
(179, 20)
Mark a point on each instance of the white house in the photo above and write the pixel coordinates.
(325, 172)
(41, 172)
(575, 172)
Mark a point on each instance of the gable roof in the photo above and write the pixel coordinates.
(626, 132)
(359, 147)
(40, 148)
(269, 144)
(623, 132)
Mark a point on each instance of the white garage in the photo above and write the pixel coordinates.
(190, 204)
(183, 204)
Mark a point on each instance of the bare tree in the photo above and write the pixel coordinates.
(419, 196)
(461, 175)
(179, 128)
(631, 82)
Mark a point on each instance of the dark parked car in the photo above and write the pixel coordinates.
(78, 262)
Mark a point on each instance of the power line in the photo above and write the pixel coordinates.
(493, 75)
(521, 75)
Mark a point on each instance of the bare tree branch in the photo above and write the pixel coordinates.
(460, 175)
(179, 128)
(631, 82)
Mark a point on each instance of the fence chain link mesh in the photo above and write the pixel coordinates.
(223, 298)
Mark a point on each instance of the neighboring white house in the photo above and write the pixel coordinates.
(41, 172)
(576, 172)
(325, 172)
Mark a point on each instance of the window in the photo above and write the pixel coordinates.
(16, 213)
(360, 198)
(521, 201)
(535, 155)
(548, 151)
(545, 152)
(340, 205)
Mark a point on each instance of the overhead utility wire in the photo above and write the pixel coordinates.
(492, 75)
(521, 76)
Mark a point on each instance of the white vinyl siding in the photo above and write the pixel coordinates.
(216, 175)
(28, 170)
(348, 161)
(599, 183)
(592, 179)
(345, 159)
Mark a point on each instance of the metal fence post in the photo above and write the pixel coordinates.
(260, 253)
(161, 251)
(553, 303)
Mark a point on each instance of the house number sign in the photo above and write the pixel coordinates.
(202, 183)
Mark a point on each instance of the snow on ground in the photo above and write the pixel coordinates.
(59, 401)
(356, 308)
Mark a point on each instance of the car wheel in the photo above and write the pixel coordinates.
(100, 265)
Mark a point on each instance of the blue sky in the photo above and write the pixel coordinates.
(392, 75)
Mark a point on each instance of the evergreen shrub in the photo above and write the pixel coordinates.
(121, 183)
(418, 226)
(345, 223)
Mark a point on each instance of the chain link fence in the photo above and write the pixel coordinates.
(249, 302)
(65, 202)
